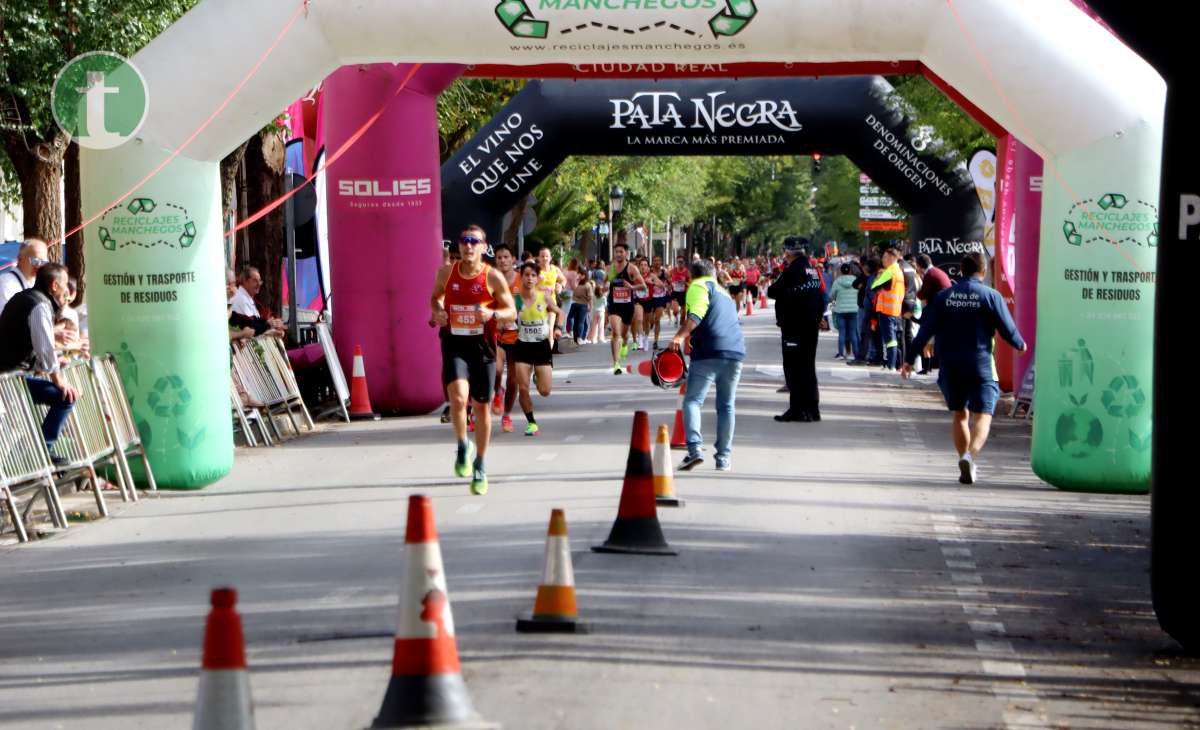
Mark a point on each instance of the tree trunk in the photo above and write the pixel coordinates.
(264, 185)
(229, 173)
(41, 199)
(73, 201)
(518, 214)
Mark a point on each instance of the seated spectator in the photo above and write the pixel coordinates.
(244, 310)
(236, 332)
(27, 343)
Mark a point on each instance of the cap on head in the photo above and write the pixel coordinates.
(795, 245)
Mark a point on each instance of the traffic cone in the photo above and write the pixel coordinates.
(554, 610)
(637, 530)
(762, 299)
(678, 432)
(427, 688)
(360, 399)
(749, 306)
(664, 477)
(223, 701)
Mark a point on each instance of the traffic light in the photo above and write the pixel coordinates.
(816, 163)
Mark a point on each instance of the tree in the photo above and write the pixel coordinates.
(39, 37)
(468, 104)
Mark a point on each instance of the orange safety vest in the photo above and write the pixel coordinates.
(888, 300)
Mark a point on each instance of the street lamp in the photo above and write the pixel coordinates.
(601, 230)
(616, 198)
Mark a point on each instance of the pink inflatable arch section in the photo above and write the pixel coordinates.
(385, 238)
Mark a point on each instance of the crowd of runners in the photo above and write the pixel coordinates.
(502, 320)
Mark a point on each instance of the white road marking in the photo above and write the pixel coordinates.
(987, 627)
(961, 564)
(596, 421)
(1002, 647)
(956, 552)
(470, 508)
(573, 438)
(547, 456)
(1004, 669)
(966, 578)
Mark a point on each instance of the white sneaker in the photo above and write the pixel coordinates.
(967, 473)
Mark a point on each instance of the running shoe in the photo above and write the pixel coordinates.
(617, 370)
(724, 465)
(498, 404)
(531, 429)
(462, 462)
(966, 469)
(624, 352)
(479, 482)
(506, 424)
(689, 462)
(634, 346)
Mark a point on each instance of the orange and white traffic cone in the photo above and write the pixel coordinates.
(427, 687)
(749, 306)
(762, 299)
(664, 474)
(554, 610)
(223, 701)
(678, 431)
(360, 399)
(636, 530)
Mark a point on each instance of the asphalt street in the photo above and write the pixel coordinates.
(838, 577)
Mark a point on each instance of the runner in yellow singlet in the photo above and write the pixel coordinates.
(535, 310)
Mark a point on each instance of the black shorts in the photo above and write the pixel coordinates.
(735, 289)
(472, 359)
(680, 296)
(507, 347)
(753, 290)
(533, 353)
(660, 302)
(624, 311)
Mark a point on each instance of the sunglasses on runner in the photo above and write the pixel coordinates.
(470, 240)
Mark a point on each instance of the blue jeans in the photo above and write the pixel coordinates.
(578, 320)
(46, 393)
(702, 374)
(847, 327)
(889, 332)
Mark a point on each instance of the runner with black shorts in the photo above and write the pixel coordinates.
(660, 296)
(679, 284)
(642, 306)
(506, 338)
(532, 352)
(467, 298)
(622, 278)
(737, 278)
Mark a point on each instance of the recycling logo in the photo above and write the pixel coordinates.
(1112, 218)
(1123, 398)
(169, 397)
(146, 223)
(519, 20)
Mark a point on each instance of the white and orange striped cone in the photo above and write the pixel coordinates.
(427, 688)
(664, 475)
(762, 299)
(678, 432)
(360, 398)
(554, 610)
(749, 306)
(223, 701)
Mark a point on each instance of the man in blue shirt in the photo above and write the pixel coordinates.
(964, 321)
(718, 350)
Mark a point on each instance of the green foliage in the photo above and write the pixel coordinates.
(960, 134)
(836, 202)
(468, 104)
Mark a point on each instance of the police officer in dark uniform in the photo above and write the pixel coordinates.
(799, 308)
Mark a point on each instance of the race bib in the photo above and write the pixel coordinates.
(534, 331)
(622, 295)
(679, 285)
(659, 292)
(465, 319)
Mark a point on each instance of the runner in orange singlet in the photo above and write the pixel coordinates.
(467, 298)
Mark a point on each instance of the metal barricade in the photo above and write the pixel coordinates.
(79, 444)
(245, 416)
(24, 461)
(119, 419)
(341, 390)
(275, 357)
(263, 380)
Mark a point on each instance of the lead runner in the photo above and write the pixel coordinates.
(468, 297)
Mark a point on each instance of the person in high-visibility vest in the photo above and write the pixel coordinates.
(889, 302)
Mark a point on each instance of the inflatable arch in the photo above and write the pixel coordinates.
(1064, 85)
(856, 116)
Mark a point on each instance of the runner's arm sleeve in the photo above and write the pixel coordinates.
(697, 302)
(1004, 322)
(926, 331)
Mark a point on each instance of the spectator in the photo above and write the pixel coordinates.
(888, 287)
(933, 282)
(245, 309)
(236, 332)
(965, 319)
(578, 319)
(845, 313)
(718, 350)
(27, 343)
(799, 309)
(868, 353)
(30, 257)
(909, 307)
